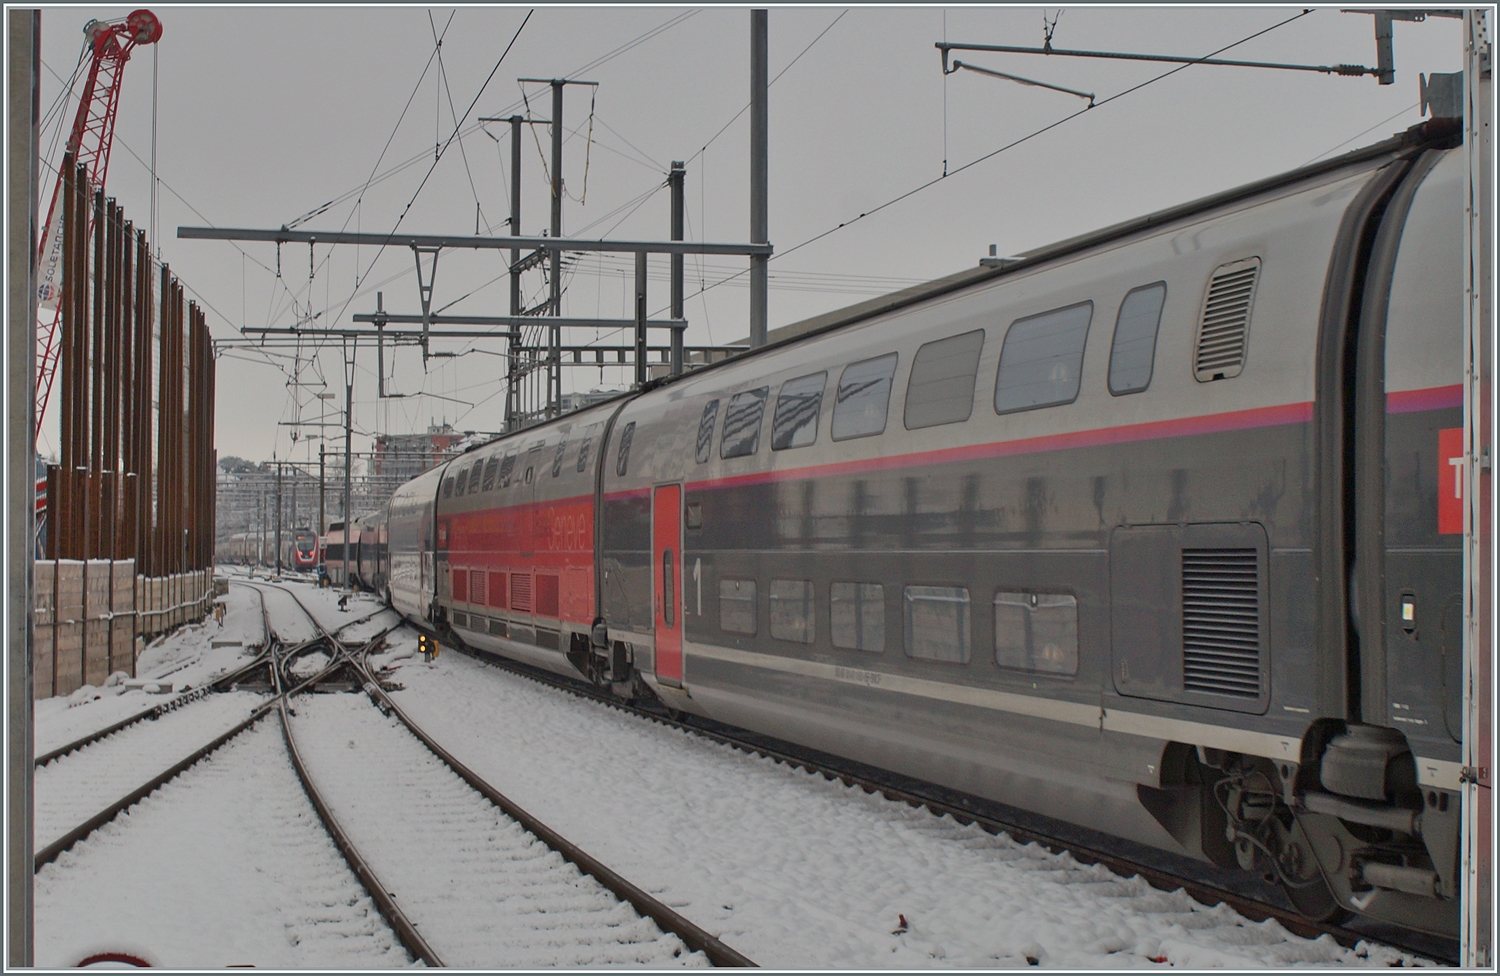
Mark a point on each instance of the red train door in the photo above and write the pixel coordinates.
(666, 561)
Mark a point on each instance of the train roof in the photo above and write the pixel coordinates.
(1434, 133)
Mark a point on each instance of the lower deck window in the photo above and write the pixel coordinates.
(937, 623)
(792, 610)
(857, 612)
(737, 606)
(1037, 632)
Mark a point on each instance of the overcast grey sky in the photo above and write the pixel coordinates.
(265, 114)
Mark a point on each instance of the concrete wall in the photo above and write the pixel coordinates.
(89, 614)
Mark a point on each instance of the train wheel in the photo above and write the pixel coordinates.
(1303, 881)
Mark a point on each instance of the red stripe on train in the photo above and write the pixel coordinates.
(1432, 398)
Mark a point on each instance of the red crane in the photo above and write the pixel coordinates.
(110, 45)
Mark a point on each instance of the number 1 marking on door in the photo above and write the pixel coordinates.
(698, 579)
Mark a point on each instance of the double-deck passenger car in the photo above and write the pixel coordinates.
(1152, 531)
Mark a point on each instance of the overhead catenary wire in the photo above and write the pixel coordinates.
(1008, 146)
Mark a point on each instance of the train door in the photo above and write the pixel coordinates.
(666, 559)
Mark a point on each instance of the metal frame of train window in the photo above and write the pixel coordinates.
(928, 373)
(936, 622)
(742, 423)
(1135, 344)
(705, 444)
(622, 457)
(856, 613)
(1037, 632)
(1041, 359)
(794, 423)
(861, 384)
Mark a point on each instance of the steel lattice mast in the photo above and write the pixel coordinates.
(110, 46)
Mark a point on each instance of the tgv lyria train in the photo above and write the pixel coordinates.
(1155, 531)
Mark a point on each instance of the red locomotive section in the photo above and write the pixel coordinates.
(533, 559)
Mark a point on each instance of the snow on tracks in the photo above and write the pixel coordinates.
(74, 787)
(227, 864)
(798, 871)
(480, 889)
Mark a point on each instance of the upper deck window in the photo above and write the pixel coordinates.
(622, 461)
(1133, 352)
(1041, 360)
(940, 389)
(795, 423)
(706, 430)
(864, 396)
(742, 423)
(491, 468)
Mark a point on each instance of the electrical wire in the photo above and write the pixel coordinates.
(1008, 146)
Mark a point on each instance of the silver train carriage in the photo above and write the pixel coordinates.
(1152, 531)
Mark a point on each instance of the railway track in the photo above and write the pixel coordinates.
(88, 782)
(1162, 871)
(463, 875)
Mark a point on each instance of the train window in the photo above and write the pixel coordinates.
(557, 461)
(1133, 351)
(864, 395)
(940, 389)
(706, 430)
(792, 610)
(1037, 632)
(1041, 359)
(448, 487)
(622, 461)
(474, 476)
(507, 466)
(795, 423)
(583, 452)
(737, 606)
(461, 482)
(937, 623)
(858, 616)
(491, 468)
(742, 423)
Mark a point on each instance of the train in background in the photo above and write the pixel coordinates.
(299, 550)
(1155, 531)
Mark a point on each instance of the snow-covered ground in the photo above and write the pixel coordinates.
(796, 871)
(480, 889)
(229, 865)
(73, 788)
(225, 865)
(185, 658)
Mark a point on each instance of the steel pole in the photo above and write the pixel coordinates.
(640, 319)
(675, 181)
(759, 233)
(512, 373)
(24, 114)
(554, 332)
(278, 518)
(348, 458)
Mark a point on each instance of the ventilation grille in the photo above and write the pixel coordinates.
(478, 587)
(1221, 621)
(520, 592)
(1225, 323)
